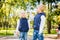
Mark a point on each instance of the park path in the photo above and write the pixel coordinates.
(31, 39)
(50, 37)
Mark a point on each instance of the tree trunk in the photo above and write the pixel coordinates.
(49, 17)
(49, 26)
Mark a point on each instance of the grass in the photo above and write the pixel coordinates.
(53, 31)
(6, 32)
(11, 32)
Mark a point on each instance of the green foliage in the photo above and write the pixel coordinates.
(11, 32)
(38, 1)
(56, 12)
(7, 7)
(55, 15)
(50, 1)
(53, 31)
(33, 2)
(5, 33)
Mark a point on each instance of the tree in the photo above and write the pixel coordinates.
(49, 15)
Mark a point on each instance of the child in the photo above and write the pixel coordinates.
(39, 21)
(59, 31)
(22, 26)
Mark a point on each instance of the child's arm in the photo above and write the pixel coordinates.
(29, 23)
(42, 24)
(18, 23)
(16, 31)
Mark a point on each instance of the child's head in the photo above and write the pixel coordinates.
(23, 14)
(41, 8)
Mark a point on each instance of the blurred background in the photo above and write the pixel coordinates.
(10, 10)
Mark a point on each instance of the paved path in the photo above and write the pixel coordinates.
(31, 39)
(50, 37)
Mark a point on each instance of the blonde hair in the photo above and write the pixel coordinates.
(23, 14)
(42, 6)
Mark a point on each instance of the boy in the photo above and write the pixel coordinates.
(22, 26)
(39, 21)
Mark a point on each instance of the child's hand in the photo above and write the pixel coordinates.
(57, 30)
(16, 33)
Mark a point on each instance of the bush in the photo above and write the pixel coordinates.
(6, 32)
(11, 32)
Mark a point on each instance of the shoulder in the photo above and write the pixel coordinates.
(43, 14)
(43, 17)
(26, 18)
